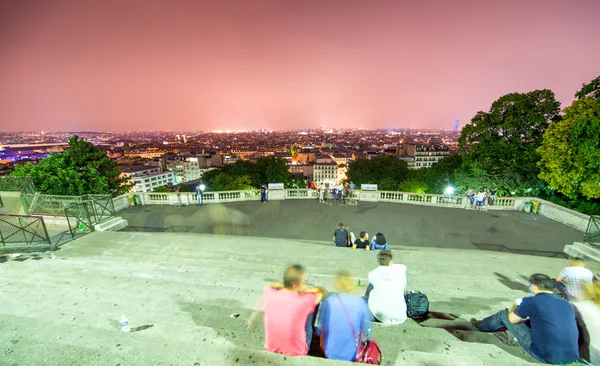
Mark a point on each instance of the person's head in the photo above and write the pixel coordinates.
(344, 282)
(577, 262)
(380, 239)
(341, 226)
(384, 257)
(540, 283)
(482, 190)
(363, 234)
(294, 277)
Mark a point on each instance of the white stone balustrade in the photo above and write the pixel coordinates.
(555, 212)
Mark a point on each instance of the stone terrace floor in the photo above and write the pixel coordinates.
(179, 289)
(402, 224)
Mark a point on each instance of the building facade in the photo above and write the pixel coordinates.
(147, 178)
(424, 155)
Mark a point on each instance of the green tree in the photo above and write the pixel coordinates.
(162, 189)
(274, 170)
(570, 152)
(225, 182)
(590, 90)
(413, 185)
(81, 169)
(385, 169)
(503, 141)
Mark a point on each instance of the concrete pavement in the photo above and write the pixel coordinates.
(402, 224)
(179, 289)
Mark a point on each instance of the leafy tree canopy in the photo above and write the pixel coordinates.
(265, 170)
(503, 141)
(590, 90)
(81, 169)
(570, 152)
(382, 170)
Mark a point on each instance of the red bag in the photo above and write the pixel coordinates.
(368, 351)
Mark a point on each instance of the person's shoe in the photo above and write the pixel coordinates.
(474, 322)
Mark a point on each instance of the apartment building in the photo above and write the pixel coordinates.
(147, 178)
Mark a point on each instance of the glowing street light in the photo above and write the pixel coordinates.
(449, 190)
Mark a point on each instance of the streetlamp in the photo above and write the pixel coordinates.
(199, 191)
(449, 190)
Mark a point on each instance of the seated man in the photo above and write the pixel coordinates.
(289, 311)
(551, 335)
(343, 320)
(341, 237)
(362, 242)
(572, 279)
(385, 293)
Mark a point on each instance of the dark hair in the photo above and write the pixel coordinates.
(293, 276)
(542, 281)
(380, 239)
(384, 257)
(363, 234)
(341, 225)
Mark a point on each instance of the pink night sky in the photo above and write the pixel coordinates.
(276, 64)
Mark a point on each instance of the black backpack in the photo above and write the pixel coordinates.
(417, 305)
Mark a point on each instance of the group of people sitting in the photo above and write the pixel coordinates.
(296, 314)
(550, 328)
(343, 238)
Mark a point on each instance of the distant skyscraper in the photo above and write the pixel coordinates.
(456, 125)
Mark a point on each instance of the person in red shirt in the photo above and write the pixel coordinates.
(289, 312)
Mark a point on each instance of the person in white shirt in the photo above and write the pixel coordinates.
(572, 279)
(589, 309)
(385, 293)
(479, 200)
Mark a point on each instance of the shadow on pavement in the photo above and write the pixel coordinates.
(513, 285)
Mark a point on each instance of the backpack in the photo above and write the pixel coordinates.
(417, 305)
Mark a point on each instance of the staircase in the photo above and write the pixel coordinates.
(178, 291)
(586, 251)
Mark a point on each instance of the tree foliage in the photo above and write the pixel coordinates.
(264, 170)
(590, 90)
(570, 152)
(503, 141)
(81, 169)
(381, 170)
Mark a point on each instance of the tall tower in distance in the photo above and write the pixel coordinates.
(455, 129)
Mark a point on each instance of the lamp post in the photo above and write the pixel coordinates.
(199, 191)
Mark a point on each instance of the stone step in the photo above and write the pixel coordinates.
(112, 224)
(584, 251)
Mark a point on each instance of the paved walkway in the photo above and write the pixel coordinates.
(402, 224)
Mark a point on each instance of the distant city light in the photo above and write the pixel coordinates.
(449, 190)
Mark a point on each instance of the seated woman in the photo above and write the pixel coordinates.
(379, 242)
(343, 320)
(362, 242)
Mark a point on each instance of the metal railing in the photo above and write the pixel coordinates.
(18, 229)
(17, 184)
(592, 234)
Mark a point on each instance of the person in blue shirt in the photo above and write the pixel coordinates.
(343, 320)
(379, 242)
(550, 334)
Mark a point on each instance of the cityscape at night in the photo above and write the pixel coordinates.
(299, 182)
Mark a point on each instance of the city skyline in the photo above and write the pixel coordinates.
(282, 65)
